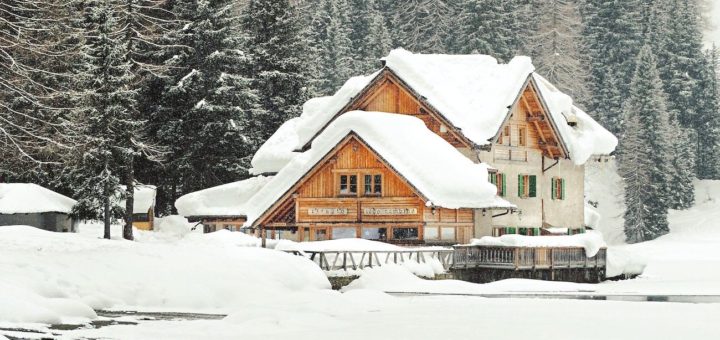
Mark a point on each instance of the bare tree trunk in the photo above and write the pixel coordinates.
(129, 199)
(106, 215)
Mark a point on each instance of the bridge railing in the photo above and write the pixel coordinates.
(332, 260)
(469, 256)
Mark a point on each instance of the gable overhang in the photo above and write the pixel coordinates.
(376, 82)
(352, 135)
(530, 81)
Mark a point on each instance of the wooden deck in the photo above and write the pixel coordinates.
(526, 258)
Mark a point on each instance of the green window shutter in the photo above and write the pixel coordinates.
(491, 177)
(552, 188)
(533, 183)
(521, 189)
(502, 192)
(562, 187)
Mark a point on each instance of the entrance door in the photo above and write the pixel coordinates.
(320, 233)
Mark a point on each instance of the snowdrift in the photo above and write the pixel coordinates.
(51, 277)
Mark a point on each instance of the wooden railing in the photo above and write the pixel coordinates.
(345, 260)
(526, 257)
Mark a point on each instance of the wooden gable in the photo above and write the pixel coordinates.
(392, 96)
(320, 184)
(388, 93)
(353, 157)
(530, 116)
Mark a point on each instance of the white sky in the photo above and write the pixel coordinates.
(712, 35)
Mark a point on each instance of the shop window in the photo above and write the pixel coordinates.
(431, 233)
(321, 234)
(373, 185)
(448, 233)
(338, 233)
(527, 186)
(405, 233)
(379, 234)
(557, 188)
(348, 184)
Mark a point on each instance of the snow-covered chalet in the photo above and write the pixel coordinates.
(430, 149)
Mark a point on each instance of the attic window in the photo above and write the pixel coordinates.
(348, 184)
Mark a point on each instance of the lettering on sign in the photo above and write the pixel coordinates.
(327, 211)
(390, 211)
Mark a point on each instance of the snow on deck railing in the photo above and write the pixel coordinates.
(475, 256)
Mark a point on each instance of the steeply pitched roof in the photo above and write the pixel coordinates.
(223, 200)
(439, 172)
(473, 92)
(28, 198)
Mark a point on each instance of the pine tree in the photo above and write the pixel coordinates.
(555, 46)
(369, 36)
(206, 119)
(492, 27)
(119, 37)
(681, 60)
(707, 121)
(328, 37)
(276, 62)
(612, 35)
(647, 154)
(682, 174)
(94, 168)
(422, 26)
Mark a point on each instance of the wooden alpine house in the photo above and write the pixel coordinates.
(430, 149)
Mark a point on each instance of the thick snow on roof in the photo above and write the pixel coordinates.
(435, 168)
(279, 149)
(223, 200)
(143, 200)
(583, 140)
(474, 92)
(28, 198)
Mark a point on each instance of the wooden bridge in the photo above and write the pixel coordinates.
(463, 257)
(333, 260)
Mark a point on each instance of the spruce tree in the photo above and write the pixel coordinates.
(207, 115)
(492, 27)
(277, 64)
(555, 46)
(95, 167)
(330, 47)
(647, 154)
(612, 35)
(423, 26)
(369, 36)
(707, 120)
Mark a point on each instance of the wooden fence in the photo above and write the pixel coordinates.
(524, 258)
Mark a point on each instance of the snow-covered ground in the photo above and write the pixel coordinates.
(64, 278)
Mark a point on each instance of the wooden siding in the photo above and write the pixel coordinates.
(353, 158)
(392, 97)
